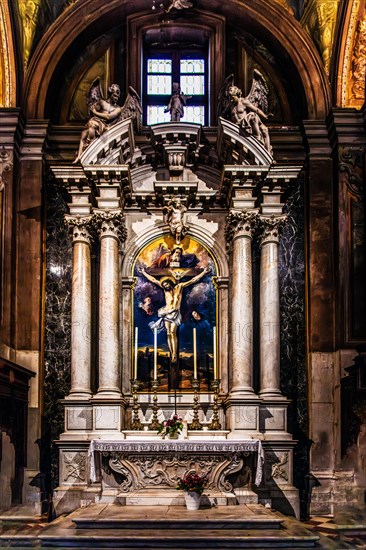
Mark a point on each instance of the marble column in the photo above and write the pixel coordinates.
(269, 313)
(242, 225)
(80, 309)
(111, 230)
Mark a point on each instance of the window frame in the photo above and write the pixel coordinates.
(176, 54)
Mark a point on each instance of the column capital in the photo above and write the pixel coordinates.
(271, 228)
(241, 224)
(79, 228)
(110, 223)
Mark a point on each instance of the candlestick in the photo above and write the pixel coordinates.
(154, 424)
(195, 353)
(136, 352)
(195, 424)
(155, 353)
(135, 420)
(215, 422)
(214, 354)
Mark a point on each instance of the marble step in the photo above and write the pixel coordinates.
(177, 538)
(176, 517)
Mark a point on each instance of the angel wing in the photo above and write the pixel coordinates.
(132, 108)
(223, 107)
(259, 91)
(95, 94)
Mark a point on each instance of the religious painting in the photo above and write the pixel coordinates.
(174, 315)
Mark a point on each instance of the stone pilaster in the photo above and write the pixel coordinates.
(80, 308)
(242, 405)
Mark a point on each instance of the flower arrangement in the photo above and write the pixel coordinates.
(171, 427)
(192, 483)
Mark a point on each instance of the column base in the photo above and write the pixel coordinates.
(114, 393)
(271, 394)
(78, 395)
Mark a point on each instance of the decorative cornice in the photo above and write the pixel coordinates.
(244, 223)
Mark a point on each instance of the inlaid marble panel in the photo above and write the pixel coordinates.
(57, 324)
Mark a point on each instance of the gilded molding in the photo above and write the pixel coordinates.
(358, 66)
(7, 69)
(319, 20)
(347, 58)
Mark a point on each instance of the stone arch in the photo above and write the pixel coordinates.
(268, 19)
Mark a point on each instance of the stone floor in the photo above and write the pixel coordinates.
(244, 526)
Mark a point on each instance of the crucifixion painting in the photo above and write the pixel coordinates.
(174, 297)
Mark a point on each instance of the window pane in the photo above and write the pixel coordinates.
(194, 113)
(192, 66)
(159, 84)
(156, 115)
(192, 85)
(159, 65)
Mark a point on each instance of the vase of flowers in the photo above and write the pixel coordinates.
(171, 428)
(193, 486)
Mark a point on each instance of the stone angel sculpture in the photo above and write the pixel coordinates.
(179, 5)
(247, 112)
(106, 112)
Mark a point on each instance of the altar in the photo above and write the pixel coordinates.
(170, 295)
(147, 472)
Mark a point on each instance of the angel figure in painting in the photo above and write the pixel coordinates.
(179, 5)
(250, 111)
(174, 214)
(106, 112)
(170, 317)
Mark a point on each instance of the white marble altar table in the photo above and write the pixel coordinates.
(159, 447)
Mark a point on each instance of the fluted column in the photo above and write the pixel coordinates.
(80, 308)
(240, 231)
(111, 231)
(269, 314)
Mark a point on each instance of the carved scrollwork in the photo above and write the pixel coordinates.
(245, 222)
(142, 471)
(236, 464)
(350, 164)
(279, 467)
(80, 227)
(6, 164)
(75, 466)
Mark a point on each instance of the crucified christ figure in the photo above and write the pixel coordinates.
(169, 316)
